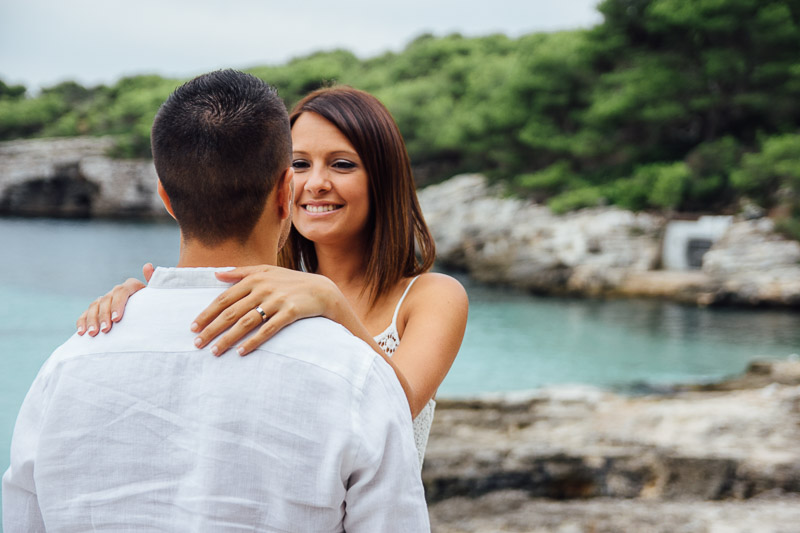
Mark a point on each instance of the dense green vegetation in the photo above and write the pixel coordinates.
(668, 104)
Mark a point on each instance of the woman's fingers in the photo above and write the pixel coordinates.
(80, 325)
(104, 312)
(120, 296)
(109, 308)
(284, 295)
(237, 274)
(220, 304)
(227, 318)
(275, 323)
(147, 271)
(247, 323)
(91, 318)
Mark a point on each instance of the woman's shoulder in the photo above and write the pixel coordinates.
(434, 287)
(436, 281)
(435, 301)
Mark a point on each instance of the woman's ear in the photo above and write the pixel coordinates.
(164, 198)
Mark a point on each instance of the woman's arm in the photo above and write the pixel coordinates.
(432, 320)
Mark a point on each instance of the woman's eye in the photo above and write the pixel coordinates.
(300, 164)
(343, 164)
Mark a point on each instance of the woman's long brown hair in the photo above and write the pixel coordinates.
(396, 225)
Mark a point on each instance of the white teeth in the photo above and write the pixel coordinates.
(321, 208)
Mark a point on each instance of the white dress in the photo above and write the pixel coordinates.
(388, 340)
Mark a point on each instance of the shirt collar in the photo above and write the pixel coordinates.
(183, 278)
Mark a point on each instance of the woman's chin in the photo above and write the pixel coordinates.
(315, 233)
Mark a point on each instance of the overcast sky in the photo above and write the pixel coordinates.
(43, 42)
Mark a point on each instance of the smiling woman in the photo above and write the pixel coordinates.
(354, 122)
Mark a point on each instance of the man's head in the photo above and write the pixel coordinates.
(220, 144)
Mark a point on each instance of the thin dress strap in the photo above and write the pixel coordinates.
(397, 309)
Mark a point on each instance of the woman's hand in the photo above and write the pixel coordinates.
(283, 295)
(107, 309)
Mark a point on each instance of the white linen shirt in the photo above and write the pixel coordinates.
(138, 430)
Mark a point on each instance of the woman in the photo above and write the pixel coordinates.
(355, 223)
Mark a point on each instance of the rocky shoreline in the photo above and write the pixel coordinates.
(721, 457)
(603, 251)
(598, 252)
(75, 178)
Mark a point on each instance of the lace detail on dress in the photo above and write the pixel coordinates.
(389, 340)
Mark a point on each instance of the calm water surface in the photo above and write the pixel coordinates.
(51, 270)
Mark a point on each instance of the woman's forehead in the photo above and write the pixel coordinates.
(312, 132)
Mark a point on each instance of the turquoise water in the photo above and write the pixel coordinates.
(51, 270)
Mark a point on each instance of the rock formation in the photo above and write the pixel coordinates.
(604, 251)
(754, 265)
(605, 462)
(74, 178)
(511, 241)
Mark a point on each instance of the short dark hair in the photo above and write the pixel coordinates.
(220, 142)
(400, 244)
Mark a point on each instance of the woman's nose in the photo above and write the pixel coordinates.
(317, 181)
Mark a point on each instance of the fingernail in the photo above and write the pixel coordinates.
(215, 350)
(198, 341)
(114, 315)
(80, 330)
(91, 329)
(240, 349)
(195, 326)
(103, 326)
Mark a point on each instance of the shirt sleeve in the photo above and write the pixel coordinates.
(21, 512)
(384, 490)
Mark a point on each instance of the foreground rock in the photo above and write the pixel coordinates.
(74, 177)
(516, 512)
(601, 251)
(617, 463)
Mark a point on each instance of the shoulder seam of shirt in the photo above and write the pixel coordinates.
(359, 386)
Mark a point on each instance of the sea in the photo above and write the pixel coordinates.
(50, 270)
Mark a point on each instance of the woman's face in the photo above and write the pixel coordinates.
(331, 199)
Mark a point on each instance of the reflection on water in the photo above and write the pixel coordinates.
(53, 269)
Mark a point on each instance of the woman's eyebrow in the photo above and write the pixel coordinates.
(334, 152)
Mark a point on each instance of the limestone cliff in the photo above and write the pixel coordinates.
(603, 251)
(73, 177)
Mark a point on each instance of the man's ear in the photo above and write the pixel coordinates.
(164, 198)
(285, 196)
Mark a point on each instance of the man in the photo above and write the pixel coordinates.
(139, 431)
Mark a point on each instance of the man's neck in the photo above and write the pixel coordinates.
(228, 254)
